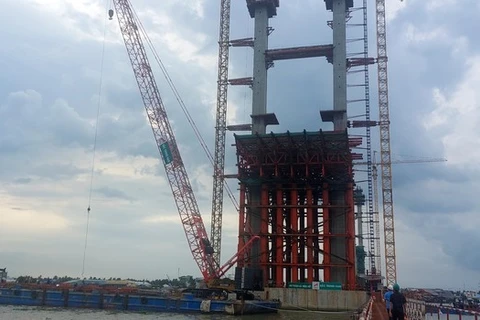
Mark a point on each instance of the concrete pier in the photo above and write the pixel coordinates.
(318, 300)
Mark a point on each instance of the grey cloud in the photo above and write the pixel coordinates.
(110, 192)
(85, 106)
(22, 180)
(27, 120)
(407, 174)
(57, 171)
(150, 170)
(430, 202)
(457, 247)
(425, 204)
(460, 250)
(45, 171)
(38, 193)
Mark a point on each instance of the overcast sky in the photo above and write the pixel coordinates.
(50, 62)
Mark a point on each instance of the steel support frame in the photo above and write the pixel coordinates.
(296, 174)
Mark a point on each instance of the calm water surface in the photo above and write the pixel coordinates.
(37, 313)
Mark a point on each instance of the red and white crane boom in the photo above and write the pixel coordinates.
(197, 238)
(174, 167)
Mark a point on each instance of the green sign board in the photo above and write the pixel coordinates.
(329, 286)
(166, 153)
(316, 285)
(299, 285)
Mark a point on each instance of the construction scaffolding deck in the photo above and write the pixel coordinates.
(304, 183)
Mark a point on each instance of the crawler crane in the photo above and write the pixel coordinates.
(197, 238)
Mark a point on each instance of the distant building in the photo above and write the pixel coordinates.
(3, 275)
(470, 294)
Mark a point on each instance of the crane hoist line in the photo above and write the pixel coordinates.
(176, 172)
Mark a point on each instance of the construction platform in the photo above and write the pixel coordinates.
(296, 193)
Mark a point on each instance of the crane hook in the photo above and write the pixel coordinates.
(110, 14)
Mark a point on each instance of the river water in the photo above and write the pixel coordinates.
(435, 316)
(42, 313)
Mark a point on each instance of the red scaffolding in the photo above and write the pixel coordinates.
(305, 185)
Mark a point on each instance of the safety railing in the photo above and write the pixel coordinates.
(366, 313)
(415, 309)
(435, 311)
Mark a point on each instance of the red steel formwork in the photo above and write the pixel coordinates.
(305, 181)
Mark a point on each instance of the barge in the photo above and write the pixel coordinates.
(189, 301)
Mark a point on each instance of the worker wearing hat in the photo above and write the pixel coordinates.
(386, 299)
(398, 304)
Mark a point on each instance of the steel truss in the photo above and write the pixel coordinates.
(301, 176)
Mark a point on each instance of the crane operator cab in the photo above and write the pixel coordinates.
(207, 247)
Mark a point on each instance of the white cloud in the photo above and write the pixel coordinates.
(456, 117)
(433, 5)
(393, 8)
(20, 219)
(85, 19)
(413, 34)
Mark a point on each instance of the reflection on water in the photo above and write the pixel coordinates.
(36, 313)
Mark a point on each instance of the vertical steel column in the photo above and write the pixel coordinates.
(279, 238)
(301, 208)
(310, 234)
(287, 237)
(317, 214)
(350, 235)
(294, 231)
(264, 235)
(241, 222)
(338, 243)
(327, 271)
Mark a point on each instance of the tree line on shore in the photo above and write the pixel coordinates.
(182, 281)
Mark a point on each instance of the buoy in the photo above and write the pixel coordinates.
(110, 14)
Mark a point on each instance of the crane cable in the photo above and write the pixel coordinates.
(95, 142)
(181, 103)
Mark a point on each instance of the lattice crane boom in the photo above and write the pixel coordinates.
(385, 152)
(220, 130)
(368, 136)
(175, 169)
(374, 163)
